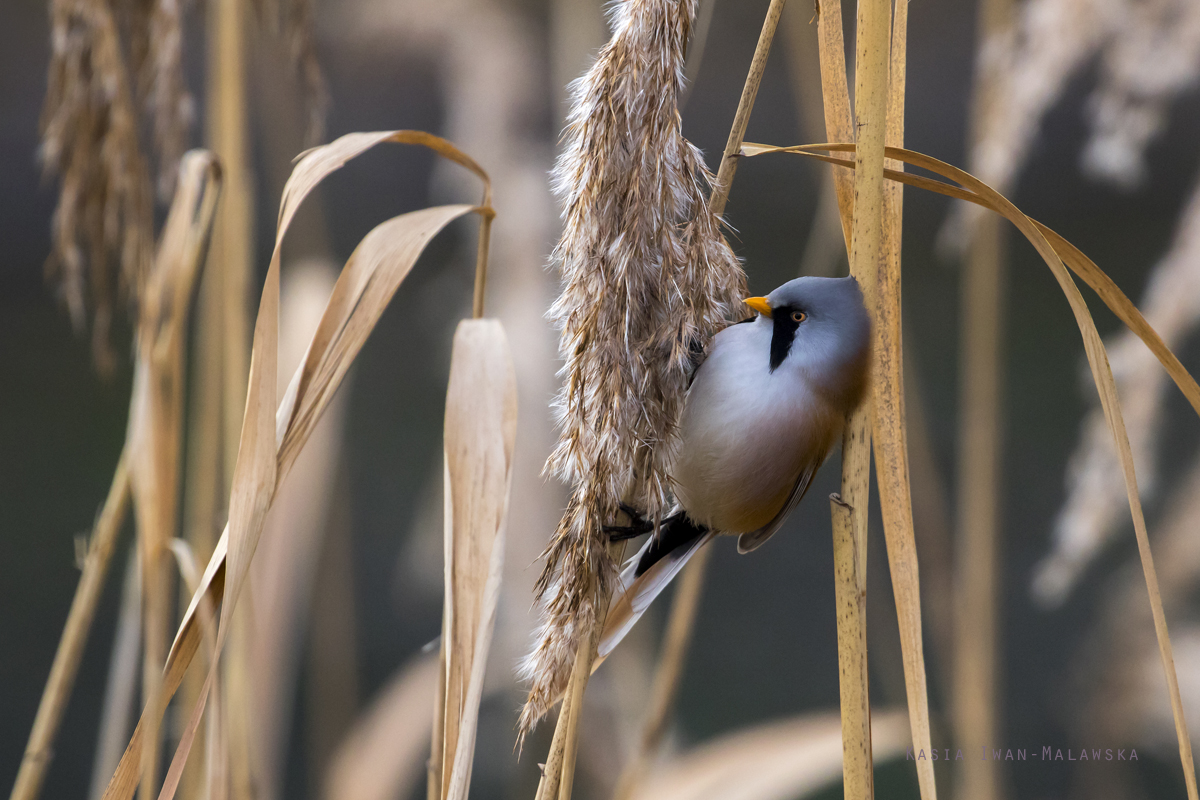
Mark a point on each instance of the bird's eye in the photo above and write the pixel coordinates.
(799, 316)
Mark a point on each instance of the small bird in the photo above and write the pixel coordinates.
(763, 411)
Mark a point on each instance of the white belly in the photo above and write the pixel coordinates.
(746, 433)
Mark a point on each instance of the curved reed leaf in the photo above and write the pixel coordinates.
(1097, 356)
(1099, 281)
(481, 431)
(273, 433)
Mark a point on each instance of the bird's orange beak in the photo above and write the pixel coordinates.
(760, 305)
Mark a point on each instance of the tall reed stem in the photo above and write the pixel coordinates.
(729, 159)
(871, 80)
(40, 749)
(850, 584)
(230, 24)
(977, 563)
(889, 418)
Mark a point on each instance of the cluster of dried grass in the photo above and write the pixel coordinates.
(112, 67)
(90, 139)
(647, 280)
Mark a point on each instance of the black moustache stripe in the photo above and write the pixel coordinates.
(782, 335)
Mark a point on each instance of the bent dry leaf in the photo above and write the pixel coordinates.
(273, 433)
(480, 433)
(1099, 281)
(972, 189)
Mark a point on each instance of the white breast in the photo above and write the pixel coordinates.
(746, 432)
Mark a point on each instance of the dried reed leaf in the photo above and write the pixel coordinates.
(282, 582)
(156, 408)
(480, 433)
(889, 421)
(1091, 515)
(777, 761)
(271, 436)
(1099, 281)
(151, 441)
(382, 756)
(978, 191)
(839, 120)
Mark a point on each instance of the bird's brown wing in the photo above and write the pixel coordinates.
(754, 539)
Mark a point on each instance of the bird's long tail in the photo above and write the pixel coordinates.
(648, 573)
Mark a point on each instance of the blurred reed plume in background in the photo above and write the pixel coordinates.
(103, 234)
(647, 280)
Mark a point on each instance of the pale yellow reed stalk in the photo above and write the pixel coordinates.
(39, 750)
(978, 569)
(1060, 256)
(850, 585)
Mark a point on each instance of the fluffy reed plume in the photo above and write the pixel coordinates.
(1149, 53)
(647, 280)
(1094, 512)
(1155, 57)
(102, 228)
(163, 91)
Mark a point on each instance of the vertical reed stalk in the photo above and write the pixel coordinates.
(979, 456)
(824, 250)
(203, 485)
(891, 443)
(433, 770)
(232, 237)
(584, 656)
(40, 749)
(850, 584)
(559, 772)
(120, 691)
(228, 135)
(729, 159)
(687, 599)
(866, 253)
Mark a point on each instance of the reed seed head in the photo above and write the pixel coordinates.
(89, 139)
(647, 280)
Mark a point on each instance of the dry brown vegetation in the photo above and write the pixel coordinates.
(648, 277)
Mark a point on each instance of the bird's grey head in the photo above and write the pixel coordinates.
(821, 328)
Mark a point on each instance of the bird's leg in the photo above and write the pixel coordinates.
(638, 526)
